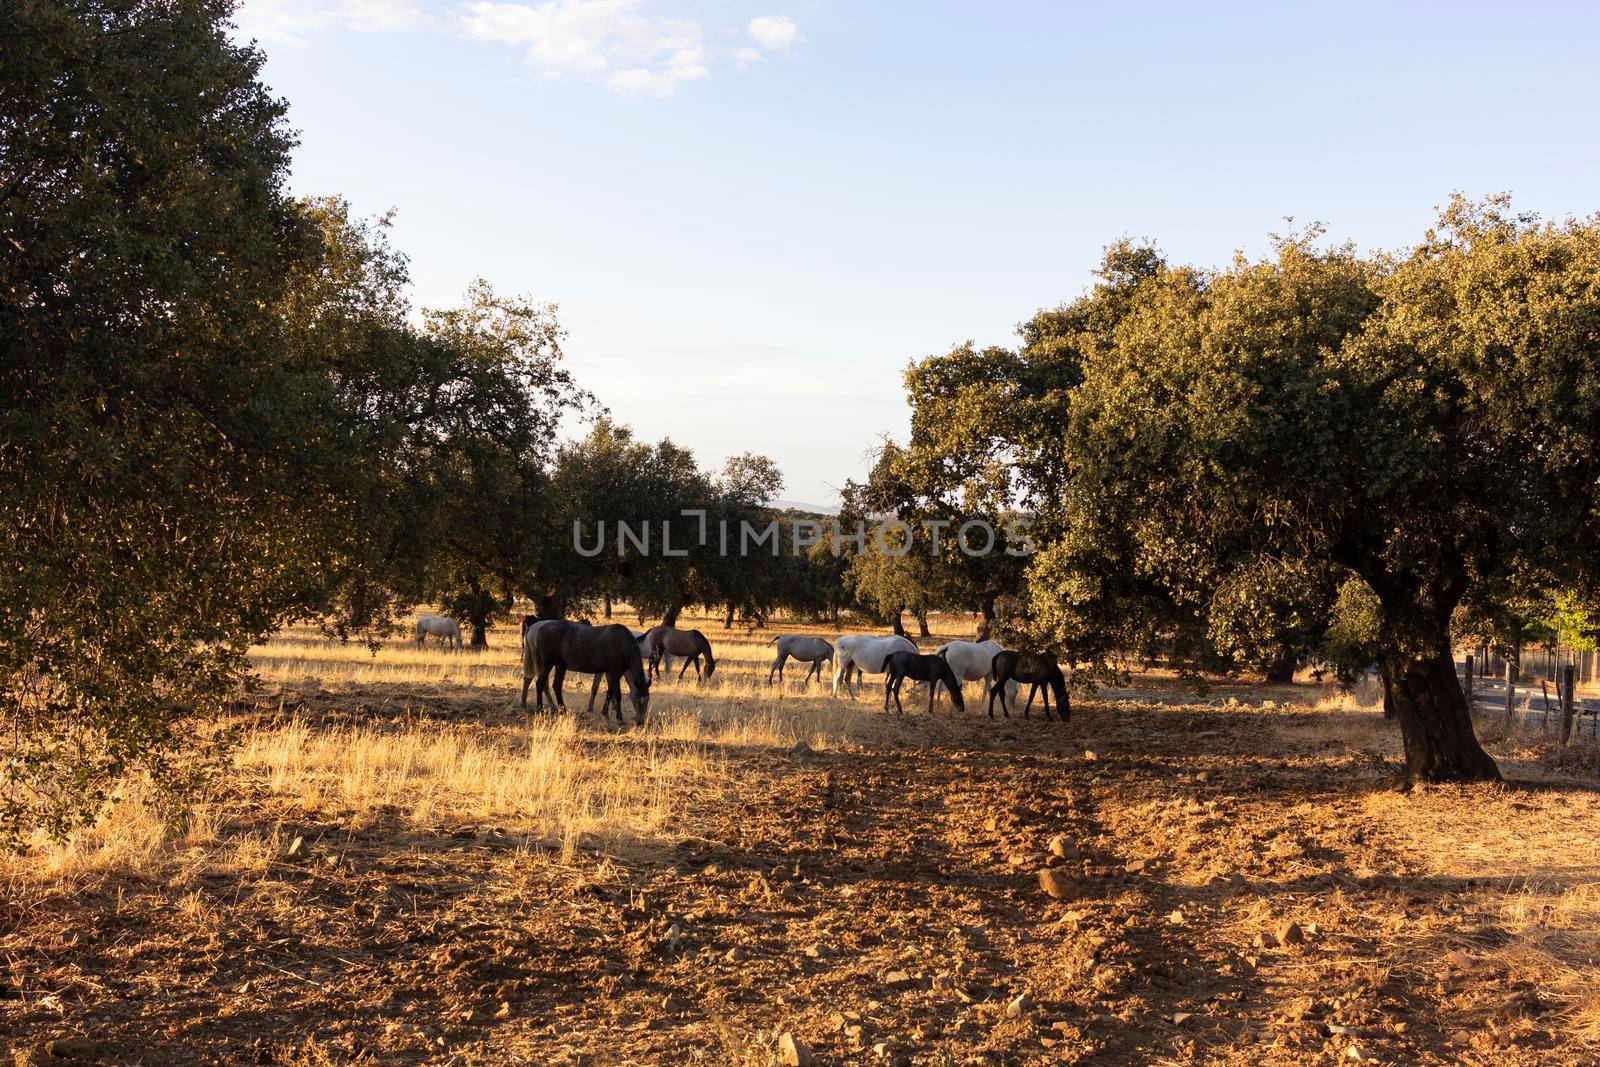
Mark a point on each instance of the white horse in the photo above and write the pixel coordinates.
(972, 660)
(647, 648)
(861, 654)
(812, 650)
(446, 630)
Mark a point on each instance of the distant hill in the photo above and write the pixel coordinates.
(800, 505)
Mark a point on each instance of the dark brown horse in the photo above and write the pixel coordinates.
(608, 650)
(931, 669)
(1042, 671)
(669, 641)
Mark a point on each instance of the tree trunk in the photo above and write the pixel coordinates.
(727, 622)
(898, 627)
(922, 624)
(671, 617)
(1435, 724)
(1281, 670)
(606, 604)
(985, 618)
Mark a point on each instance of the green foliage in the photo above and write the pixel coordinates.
(1352, 643)
(157, 512)
(1429, 422)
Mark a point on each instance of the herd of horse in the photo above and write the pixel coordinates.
(614, 653)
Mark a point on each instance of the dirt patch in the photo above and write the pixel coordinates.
(879, 899)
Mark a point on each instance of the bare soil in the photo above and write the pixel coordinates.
(880, 902)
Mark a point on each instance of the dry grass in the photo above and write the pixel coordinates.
(552, 781)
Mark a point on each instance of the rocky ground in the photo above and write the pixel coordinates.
(1152, 882)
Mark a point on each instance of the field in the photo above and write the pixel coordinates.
(397, 868)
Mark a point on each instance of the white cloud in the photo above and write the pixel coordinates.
(287, 21)
(632, 50)
(623, 44)
(774, 32)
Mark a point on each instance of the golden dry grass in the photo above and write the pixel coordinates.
(548, 779)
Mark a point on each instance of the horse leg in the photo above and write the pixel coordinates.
(933, 687)
(592, 691)
(1029, 706)
(1046, 696)
(543, 688)
(778, 666)
(613, 693)
(561, 675)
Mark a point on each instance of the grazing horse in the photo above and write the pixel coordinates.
(862, 654)
(608, 650)
(446, 630)
(1042, 671)
(974, 661)
(669, 641)
(932, 669)
(531, 663)
(813, 650)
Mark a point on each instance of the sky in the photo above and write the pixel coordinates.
(753, 216)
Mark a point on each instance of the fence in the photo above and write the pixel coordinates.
(1540, 665)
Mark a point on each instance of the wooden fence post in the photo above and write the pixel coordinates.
(1566, 694)
(1511, 692)
(1469, 683)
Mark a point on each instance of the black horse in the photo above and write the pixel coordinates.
(931, 669)
(608, 650)
(1042, 671)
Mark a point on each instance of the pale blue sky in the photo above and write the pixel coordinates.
(752, 215)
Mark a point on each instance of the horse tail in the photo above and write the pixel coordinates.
(530, 661)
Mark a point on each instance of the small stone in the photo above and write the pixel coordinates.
(1266, 939)
(296, 849)
(897, 979)
(1019, 1004)
(1089, 756)
(736, 954)
(74, 1048)
(1356, 1052)
(1289, 933)
(792, 1052)
(1063, 847)
(1178, 1017)
(504, 1010)
(1136, 866)
(1458, 959)
(881, 1050)
(1058, 885)
(1176, 917)
(801, 750)
(818, 951)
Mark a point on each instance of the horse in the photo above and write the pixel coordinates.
(1042, 671)
(813, 650)
(974, 661)
(863, 654)
(608, 650)
(669, 641)
(531, 663)
(932, 669)
(446, 630)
